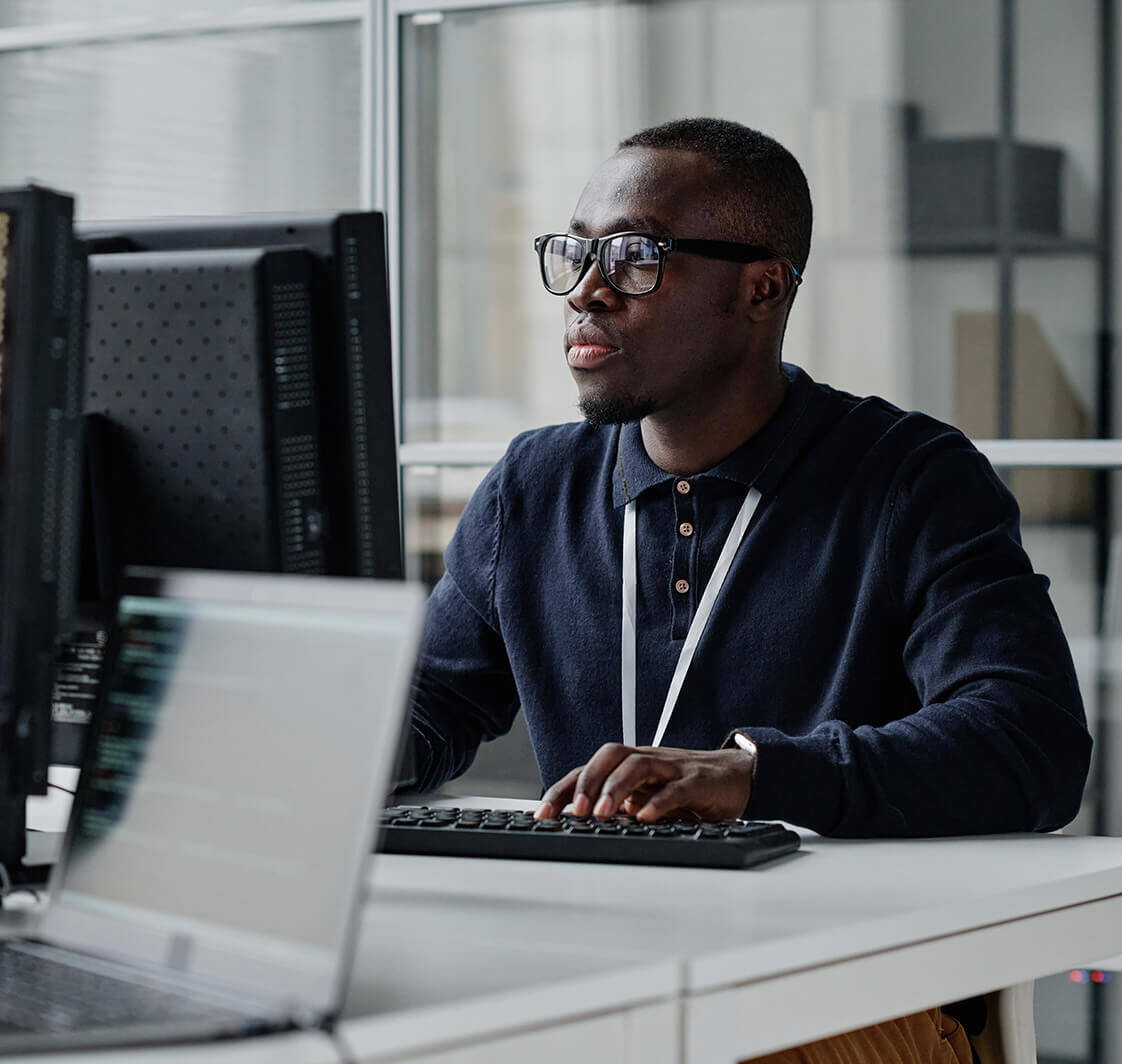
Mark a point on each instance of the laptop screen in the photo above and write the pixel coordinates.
(232, 765)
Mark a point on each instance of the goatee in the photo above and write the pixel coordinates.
(615, 410)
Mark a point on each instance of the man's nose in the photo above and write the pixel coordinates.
(593, 292)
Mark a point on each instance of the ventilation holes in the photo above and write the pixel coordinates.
(196, 496)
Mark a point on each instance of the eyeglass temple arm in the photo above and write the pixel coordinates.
(731, 251)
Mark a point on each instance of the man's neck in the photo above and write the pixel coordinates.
(690, 441)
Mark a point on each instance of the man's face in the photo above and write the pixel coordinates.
(673, 349)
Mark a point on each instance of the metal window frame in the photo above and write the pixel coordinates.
(385, 186)
(1007, 454)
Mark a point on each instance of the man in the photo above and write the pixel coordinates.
(880, 659)
(826, 611)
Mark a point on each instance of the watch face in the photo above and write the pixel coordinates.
(744, 742)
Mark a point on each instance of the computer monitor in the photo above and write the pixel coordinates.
(353, 363)
(240, 411)
(202, 436)
(42, 293)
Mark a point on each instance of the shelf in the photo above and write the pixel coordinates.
(1040, 454)
(984, 242)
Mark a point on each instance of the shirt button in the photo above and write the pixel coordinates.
(686, 528)
(682, 586)
(683, 487)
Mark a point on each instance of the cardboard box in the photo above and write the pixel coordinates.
(1044, 406)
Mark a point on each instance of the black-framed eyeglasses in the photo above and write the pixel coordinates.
(631, 263)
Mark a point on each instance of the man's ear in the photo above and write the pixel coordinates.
(769, 287)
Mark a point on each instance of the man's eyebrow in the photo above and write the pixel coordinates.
(648, 223)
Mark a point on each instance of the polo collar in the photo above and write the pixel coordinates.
(761, 461)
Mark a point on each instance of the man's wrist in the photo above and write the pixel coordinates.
(739, 739)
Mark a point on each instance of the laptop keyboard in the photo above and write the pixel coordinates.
(618, 839)
(44, 995)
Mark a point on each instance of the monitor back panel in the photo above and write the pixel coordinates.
(200, 362)
(354, 373)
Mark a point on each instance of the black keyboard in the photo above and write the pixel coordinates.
(618, 840)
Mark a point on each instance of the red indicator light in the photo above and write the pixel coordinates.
(1098, 977)
(1078, 977)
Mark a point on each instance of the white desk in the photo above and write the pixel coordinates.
(305, 1047)
(842, 934)
(444, 978)
(490, 962)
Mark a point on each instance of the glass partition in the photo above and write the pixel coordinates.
(223, 123)
(506, 111)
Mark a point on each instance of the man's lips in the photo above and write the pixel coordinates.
(586, 346)
(586, 355)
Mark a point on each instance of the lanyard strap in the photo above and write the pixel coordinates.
(697, 625)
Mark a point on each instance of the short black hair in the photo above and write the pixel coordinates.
(767, 198)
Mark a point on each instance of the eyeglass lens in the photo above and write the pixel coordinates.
(629, 261)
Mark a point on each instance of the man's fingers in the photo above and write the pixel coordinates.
(649, 783)
(666, 800)
(557, 797)
(591, 778)
(581, 785)
(634, 771)
(636, 800)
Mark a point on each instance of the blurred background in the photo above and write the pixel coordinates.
(962, 156)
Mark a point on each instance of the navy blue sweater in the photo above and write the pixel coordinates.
(881, 633)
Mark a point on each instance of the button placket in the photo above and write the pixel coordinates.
(683, 578)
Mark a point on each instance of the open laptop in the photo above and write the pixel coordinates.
(212, 875)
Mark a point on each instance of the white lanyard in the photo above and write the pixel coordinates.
(697, 625)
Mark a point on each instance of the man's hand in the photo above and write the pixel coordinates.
(649, 782)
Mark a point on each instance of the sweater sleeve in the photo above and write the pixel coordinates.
(463, 690)
(1000, 742)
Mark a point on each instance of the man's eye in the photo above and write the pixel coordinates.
(639, 253)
